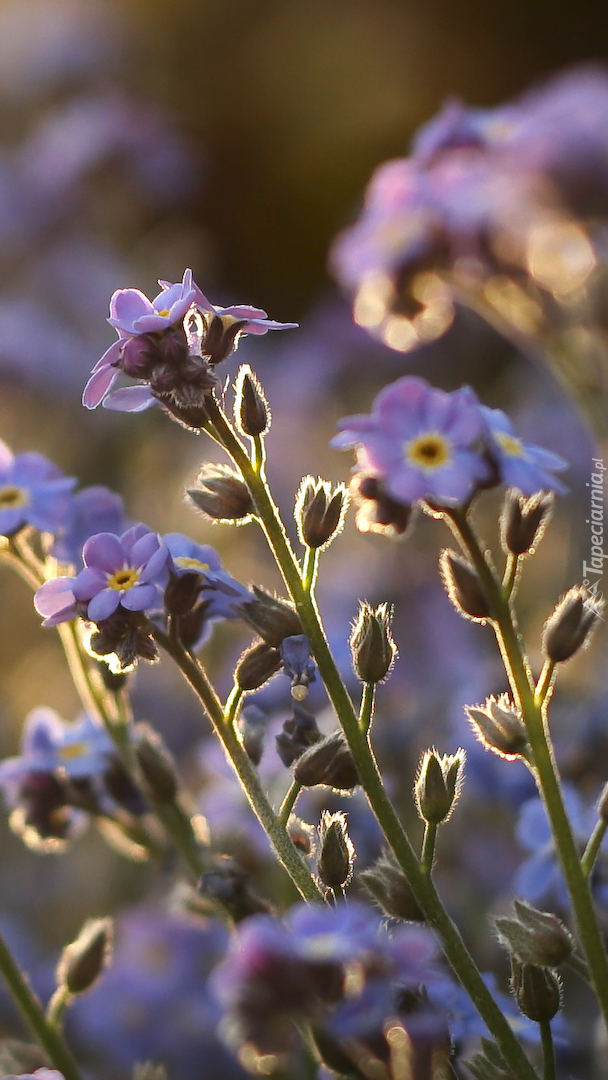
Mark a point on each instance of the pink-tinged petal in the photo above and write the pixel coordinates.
(6, 457)
(88, 583)
(155, 565)
(243, 311)
(104, 551)
(126, 306)
(103, 605)
(98, 386)
(143, 549)
(140, 597)
(54, 596)
(268, 324)
(110, 356)
(130, 399)
(202, 302)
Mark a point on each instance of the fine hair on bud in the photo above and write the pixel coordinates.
(438, 785)
(251, 409)
(499, 727)
(523, 521)
(463, 586)
(537, 990)
(372, 647)
(534, 937)
(327, 762)
(272, 618)
(336, 853)
(221, 495)
(319, 512)
(390, 888)
(257, 665)
(570, 626)
(84, 960)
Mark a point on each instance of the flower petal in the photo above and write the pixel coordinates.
(103, 605)
(130, 399)
(105, 552)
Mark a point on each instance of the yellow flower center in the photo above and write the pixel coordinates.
(511, 446)
(73, 750)
(429, 451)
(12, 497)
(123, 579)
(165, 311)
(186, 563)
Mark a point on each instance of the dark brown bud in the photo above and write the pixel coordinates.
(535, 937)
(182, 592)
(257, 665)
(156, 765)
(438, 785)
(271, 618)
(191, 417)
(376, 511)
(336, 852)
(298, 733)
(389, 886)
(329, 762)
(570, 626)
(221, 495)
(498, 725)
(371, 643)
(251, 410)
(463, 586)
(537, 990)
(523, 521)
(319, 513)
(83, 961)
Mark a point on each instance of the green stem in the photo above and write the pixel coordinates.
(428, 847)
(289, 802)
(546, 1038)
(371, 780)
(248, 778)
(233, 702)
(545, 683)
(46, 1033)
(310, 568)
(366, 710)
(510, 576)
(576, 963)
(57, 1006)
(544, 766)
(594, 844)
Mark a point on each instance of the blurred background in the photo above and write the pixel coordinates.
(138, 138)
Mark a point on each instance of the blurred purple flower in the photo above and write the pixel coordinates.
(92, 510)
(521, 465)
(419, 441)
(40, 1074)
(33, 491)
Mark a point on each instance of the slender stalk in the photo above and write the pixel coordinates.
(45, 1031)
(509, 580)
(366, 710)
(428, 847)
(544, 767)
(233, 702)
(57, 1006)
(247, 776)
(546, 1038)
(576, 963)
(545, 683)
(371, 780)
(310, 568)
(289, 802)
(594, 844)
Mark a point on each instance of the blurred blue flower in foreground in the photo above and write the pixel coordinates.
(92, 510)
(33, 491)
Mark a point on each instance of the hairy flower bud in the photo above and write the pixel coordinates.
(336, 851)
(371, 643)
(534, 937)
(438, 785)
(83, 961)
(376, 511)
(299, 732)
(302, 834)
(319, 513)
(182, 592)
(328, 762)
(221, 495)
(155, 765)
(498, 725)
(463, 586)
(570, 626)
(257, 665)
(251, 411)
(523, 521)
(537, 991)
(389, 886)
(271, 618)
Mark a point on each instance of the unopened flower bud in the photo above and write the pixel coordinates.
(192, 417)
(328, 762)
(251, 410)
(537, 991)
(463, 586)
(371, 643)
(389, 886)
(570, 626)
(299, 732)
(257, 665)
(228, 884)
(319, 514)
(182, 593)
(271, 618)
(336, 851)
(535, 937)
(155, 765)
(376, 511)
(83, 961)
(297, 664)
(498, 725)
(252, 729)
(221, 495)
(524, 521)
(438, 785)
(301, 834)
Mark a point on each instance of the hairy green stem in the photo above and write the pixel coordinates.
(232, 705)
(544, 684)
(546, 1038)
(289, 802)
(310, 568)
(366, 709)
(57, 1006)
(509, 580)
(46, 1033)
(594, 844)
(544, 766)
(428, 847)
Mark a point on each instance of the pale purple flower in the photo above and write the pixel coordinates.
(92, 510)
(254, 320)
(128, 571)
(220, 591)
(521, 465)
(33, 491)
(422, 443)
